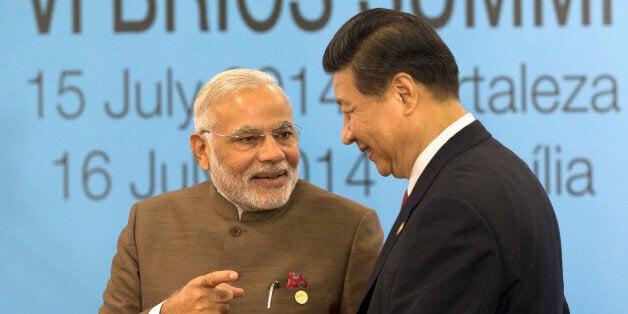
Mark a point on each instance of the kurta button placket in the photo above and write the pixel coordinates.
(235, 231)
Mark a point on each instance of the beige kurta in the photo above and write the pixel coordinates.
(174, 237)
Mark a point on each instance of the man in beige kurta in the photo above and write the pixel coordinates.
(230, 244)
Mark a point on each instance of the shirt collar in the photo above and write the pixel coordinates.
(428, 153)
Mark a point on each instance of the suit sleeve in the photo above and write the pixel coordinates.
(122, 294)
(367, 244)
(448, 261)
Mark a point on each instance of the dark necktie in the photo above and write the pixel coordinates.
(403, 202)
(405, 198)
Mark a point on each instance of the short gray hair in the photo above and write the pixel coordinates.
(224, 86)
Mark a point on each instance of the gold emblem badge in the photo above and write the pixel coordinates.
(401, 228)
(301, 297)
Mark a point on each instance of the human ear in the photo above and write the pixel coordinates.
(198, 145)
(405, 89)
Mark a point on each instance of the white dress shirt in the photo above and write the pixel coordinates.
(428, 153)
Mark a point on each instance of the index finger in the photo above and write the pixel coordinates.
(215, 278)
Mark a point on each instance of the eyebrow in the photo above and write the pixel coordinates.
(343, 102)
(252, 129)
(246, 129)
(285, 125)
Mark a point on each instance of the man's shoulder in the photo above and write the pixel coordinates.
(189, 194)
(313, 196)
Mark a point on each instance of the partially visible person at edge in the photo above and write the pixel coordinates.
(253, 239)
(477, 233)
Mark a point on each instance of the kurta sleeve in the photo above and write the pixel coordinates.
(367, 244)
(122, 294)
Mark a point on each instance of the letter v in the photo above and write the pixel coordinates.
(43, 17)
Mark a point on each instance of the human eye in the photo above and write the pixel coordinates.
(347, 114)
(283, 134)
(249, 138)
(346, 109)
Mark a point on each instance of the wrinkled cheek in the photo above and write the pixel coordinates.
(292, 157)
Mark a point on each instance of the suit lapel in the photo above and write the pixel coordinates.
(468, 137)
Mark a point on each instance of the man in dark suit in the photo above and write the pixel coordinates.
(477, 233)
(254, 239)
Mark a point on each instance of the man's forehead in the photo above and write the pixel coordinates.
(252, 109)
(343, 86)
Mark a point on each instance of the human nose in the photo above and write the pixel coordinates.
(270, 150)
(346, 135)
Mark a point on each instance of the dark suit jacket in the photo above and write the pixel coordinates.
(174, 237)
(478, 235)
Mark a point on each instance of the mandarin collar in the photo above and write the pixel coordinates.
(229, 211)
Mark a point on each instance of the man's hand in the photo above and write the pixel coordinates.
(205, 294)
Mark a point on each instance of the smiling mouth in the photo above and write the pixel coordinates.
(270, 179)
(272, 175)
(367, 150)
(363, 148)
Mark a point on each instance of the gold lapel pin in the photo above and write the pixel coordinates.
(301, 297)
(401, 227)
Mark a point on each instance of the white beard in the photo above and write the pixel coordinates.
(236, 187)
